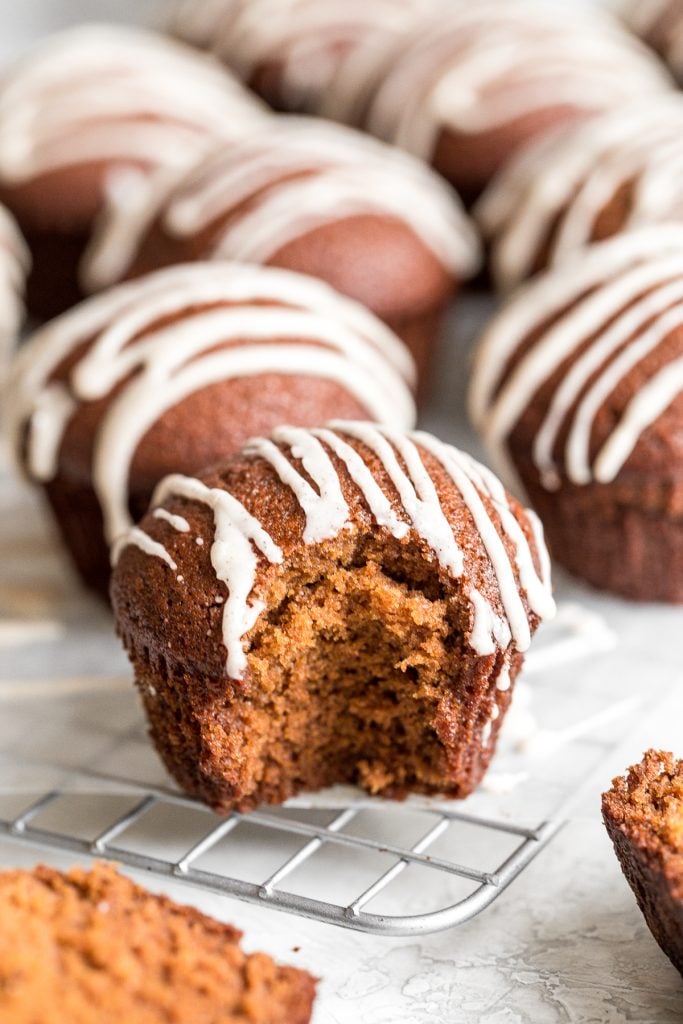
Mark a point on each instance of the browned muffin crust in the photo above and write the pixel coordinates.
(91, 945)
(360, 667)
(643, 814)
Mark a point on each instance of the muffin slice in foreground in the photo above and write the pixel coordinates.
(643, 813)
(344, 604)
(91, 946)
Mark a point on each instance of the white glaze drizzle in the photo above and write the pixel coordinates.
(233, 556)
(566, 181)
(415, 488)
(135, 537)
(323, 506)
(14, 265)
(481, 66)
(380, 506)
(177, 522)
(341, 173)
(624, 297)
(318, 333)
(504, 679)
(470, 482)
(318, 492)
(645, 408)
(550, 292)
(310, 40)
(106, 92)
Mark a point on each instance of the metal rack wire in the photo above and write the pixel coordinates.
(110, 843)
(364, 864)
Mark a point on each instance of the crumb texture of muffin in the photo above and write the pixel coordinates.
(460, 85)
(643, 814)
(578, 392)
(175, 370)
(585, 183)
(91, 945)
(315, 198)
(343, 604)
(87, 119)
(660, 24)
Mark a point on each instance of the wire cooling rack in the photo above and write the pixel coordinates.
(59, 818)
(369, 865)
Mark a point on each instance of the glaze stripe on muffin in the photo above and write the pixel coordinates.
(15, 261)
(240, 539)
(613, 307)
(279, 183)
(161, 104)
(310, 39)
(479, 67)
(557, 196)
(233, 321)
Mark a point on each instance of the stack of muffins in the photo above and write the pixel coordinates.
(310, 590)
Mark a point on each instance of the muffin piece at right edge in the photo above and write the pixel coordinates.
(347, 604)
(643, 814)
(578, 392)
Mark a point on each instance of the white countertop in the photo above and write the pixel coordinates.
(565, 944)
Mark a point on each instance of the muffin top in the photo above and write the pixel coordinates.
(582, 371)
(281, 182)
(132, 382)
(587, 182)
(115, 97)
(223, 539)
(476, 68)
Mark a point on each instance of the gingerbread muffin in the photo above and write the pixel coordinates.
(643, 813)
(578, 392)
(343, 604)
(85, 119)
(301, 54)
(14, 265)
(660, 24)
(589, 182)
(91, 945)
(482, 80)
(171, 372)
(317, 198)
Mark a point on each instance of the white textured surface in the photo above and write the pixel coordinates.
(565, 944)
